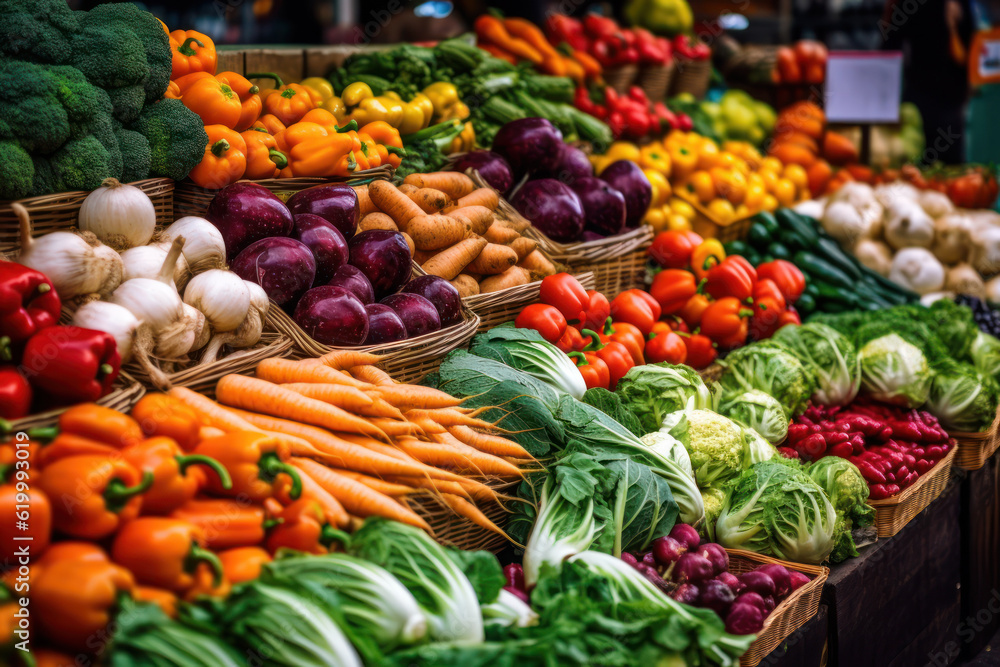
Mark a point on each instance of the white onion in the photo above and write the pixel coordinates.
(110, 318)
(145, 262)
(121, 216)
(204, 247)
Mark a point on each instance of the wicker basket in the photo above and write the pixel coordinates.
(126, 393)
(707, 227)
(57, 212)
(496, 308)
(191, 199)
(655, 81)
(456, 531)
(406, 360)
(691, 76)
(787, 617)
(974, 449)
(893, 513)
(621, 77)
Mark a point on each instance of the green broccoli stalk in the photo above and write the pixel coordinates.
(176, 136)
(18, 171)
(38, 30)
(136, 155)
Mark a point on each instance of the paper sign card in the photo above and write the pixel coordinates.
(984, 65)
(863, 86)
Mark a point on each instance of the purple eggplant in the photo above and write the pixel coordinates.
(571, 166)
(332, 316)
(247, 212)
(337, 204)
(626, 177)
(418, 314)
(351, 279)
(493, 168)
(441, 293)
(325, 241)
(284, 267)
(383, 257)
(529, 145)
(603, 206)
(384, 325)
(552, 207)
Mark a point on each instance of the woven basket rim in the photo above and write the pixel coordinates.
(700, 208)
(53, 200)
(517, 294)
(978, 435)
(300, 182)
(130, 391)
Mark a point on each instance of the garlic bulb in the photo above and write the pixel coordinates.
(222, 296)
(183, 336)
(204, 247)
(76, 264)
(248, 332)
(111, 318)
(121, 216)
(154, 300)
(145, 262)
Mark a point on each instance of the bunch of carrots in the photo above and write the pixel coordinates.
(456, 231)
(188, 496)
(517, 40)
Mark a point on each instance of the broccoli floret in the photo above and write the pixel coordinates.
(150, 32)
(127, 102)
(87, 106)
(105, 134)
(81, 164)
(44, 181)
(109, 52)
(176, 138)
(18, 171)
(38, 30)
(30, 107)
(136, 155)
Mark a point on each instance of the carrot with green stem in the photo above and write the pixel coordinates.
(286, 371)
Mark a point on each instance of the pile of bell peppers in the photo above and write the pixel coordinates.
(632, 115)
(44, 365)
(726, 299)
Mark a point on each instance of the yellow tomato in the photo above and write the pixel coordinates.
(729, 183)
(721, 211)
(682, 208)
(708, 153)
(661, 187)
(769, 179)
(701, 186)
(742, 211)
(784, 192)
(623, 150)
(755, 196)
(796, 173)
(678, 223)
(771, 163)
(769, 203)
(657, 218)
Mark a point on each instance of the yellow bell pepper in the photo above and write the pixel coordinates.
(655, 157)
(599, 163)
(657, 218)
(444, 97)
(683, 161)
(464, 142)
(417, 113)
(335, 105)
(320, 86)
(623, 150)
(365, 107)
(312, 150)
(661, 187)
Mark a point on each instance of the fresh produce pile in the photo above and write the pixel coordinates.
(986, 317)
(893, 147)
(631, 115)
(801, 63)
(83, 99)
(516, 40)
(735, 117)
(601, 39)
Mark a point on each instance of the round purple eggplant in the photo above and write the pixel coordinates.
(327, 244)
(603, 206)
(247, 212)
(528, 145)
(332, 316)
(441, 293)
(626, 177)
(552, 207)
(351, 279)
(384, 325)
(383, 257)
(419, 315)
(571, 166)
(337, 204)
(284, 267)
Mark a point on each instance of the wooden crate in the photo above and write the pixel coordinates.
(231, 59)
(323, 60)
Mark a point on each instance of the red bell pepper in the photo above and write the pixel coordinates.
(725, 322)
(15, 394)
(571, 340)
(560, 28)
(672, 323)
(612, 353)
(628, 335)
(28, 303)
(701, 351)
(636, 307)
(733, 276)
(598, 310)
(668, 119)
(672, 249)
(786, 276)
(592, 368)
(600, 26)
(666, 347)
(672, 289)
(543, 318)
(768, 309)
(71, 364)
(566, 293)
(790, 316)
(694, 310)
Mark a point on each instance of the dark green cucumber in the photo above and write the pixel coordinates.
(803, 226)
(831, 251)
(822, 270)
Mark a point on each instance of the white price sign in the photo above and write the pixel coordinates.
(863, 86)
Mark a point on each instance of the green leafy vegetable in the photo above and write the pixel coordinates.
(526, 351)
(985, 353)
(771, 369)
(717, 445)
(961, 398)
(655, 390)
(611, 404)
(509, 610)
(829, 356)
(483, 571)
(895, 371)
(760, 412)
(680, 476)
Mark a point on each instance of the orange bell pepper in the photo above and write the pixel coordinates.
(226, 523)
(270, 123)
(725, 322)
(388, 136)
(303, 527)
(367, 157)
(327, 120)
(75, 551)
(206, 584)
(165, 600)
(160, 414)
(70, 444)
(172, 486)
(214, 102)
(173, 91)
(243, 563)
(163, 552)
(192, 52)
(705, 255)
(73, 601)
(101, 424)
(34, 514)
(592, 368)
(289, 102)
(264, 160)
(225, 158)
(628, 335)
(189, 80)
(252, 462)
(312, 150)
(250, 102)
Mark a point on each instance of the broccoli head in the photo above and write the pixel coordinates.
(18, 171)
(38, 30)
(87, 106)
(136, 156)
(81, 164)
(30, 108)
(176, 136)
(105, 134)
(126, 102)
(109, 52)
(44, 180)
(150, 32)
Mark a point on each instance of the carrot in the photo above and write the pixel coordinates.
(538, 263)
(408, 188)
(371, 374)
(480, 218)
(429, 200)
(357, 498)
(283, 371)
(532, 34)
(394, 427)
(591, 68)
(468, 487)
(486, 197)
(512, 277)
(435, 232)
(415, 396)
(523, 247)
(453, 184)
(258, 395)
(427, 425)
(340, 395)
(491, 29)
(381, 409)
(466, 285)
(211, 412)
(409, 242)
(364, 201)
(452, 261)
(390, 200)
(343, 359)
(497, 52)
(487, 442)
(386, 450)
(333, 511)
(573, 69)
(382, 486)
(377, 220)
(423, 256)
(446, 417)
(463, 507)
(493, 259)
(500, 234)
(455, 454)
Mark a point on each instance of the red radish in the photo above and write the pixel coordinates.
(667, 550)
(686, 593)
(648, 559)
(797, 580)
(744, 619)
(653, 576)
(692, 567)
(523, 595)
(769, 604)
(630, 559)
(686, 535)
(514, 574)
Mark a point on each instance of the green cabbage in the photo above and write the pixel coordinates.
(715, 443)
(828, 355)
(848, 492)
(772, 369)
(757, 448)
(895, 371)
(985, 352)
(760, 412)
(655, 390)
(961, 398)
(776, 508)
